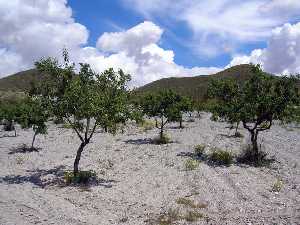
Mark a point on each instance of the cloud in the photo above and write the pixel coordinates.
(147, 61)
(218, 26)
(34, 29)
(282, 54)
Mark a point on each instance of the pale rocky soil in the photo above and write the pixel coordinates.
(138, 181)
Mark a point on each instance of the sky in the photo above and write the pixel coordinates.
(152, 39)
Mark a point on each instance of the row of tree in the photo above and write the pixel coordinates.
(88, 100)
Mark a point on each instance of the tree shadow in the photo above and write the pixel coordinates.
(7, 136)
(36, 177)
(23, 149)
(139, 141)
(52, 177)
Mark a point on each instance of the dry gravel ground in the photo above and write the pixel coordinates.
(140, 182)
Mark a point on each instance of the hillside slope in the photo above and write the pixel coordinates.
(196, 87)
(19, 82)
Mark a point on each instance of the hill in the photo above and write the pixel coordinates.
(19, 82)
(196, 87)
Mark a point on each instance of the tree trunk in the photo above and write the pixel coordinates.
(162, 128)
(78, 156)
(35, 133)
(254, 135)
(236, 128)
(180, 123)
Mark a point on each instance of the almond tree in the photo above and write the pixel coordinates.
(86, 100)
(182, 105)
(160, 105)
(33, 114)
(256, 103)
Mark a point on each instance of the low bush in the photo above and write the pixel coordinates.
(191, 164)
(83, 177)
(277, 186)
(221, 157)
(147, 125)
(248, 156)
(238, 135)
(214, 117)
(190, 203)
(192, 216)
(169, 218)
(57, 120)
(165, 139)
(199, 150)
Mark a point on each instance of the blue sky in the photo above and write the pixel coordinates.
(152, 39)
(113, 16)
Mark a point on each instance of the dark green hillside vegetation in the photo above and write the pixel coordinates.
(196, 87)
(20, 82)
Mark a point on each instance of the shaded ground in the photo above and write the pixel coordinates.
(139, 181)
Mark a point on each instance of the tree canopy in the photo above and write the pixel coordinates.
(256, 103)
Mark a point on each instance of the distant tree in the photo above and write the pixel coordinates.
(227, 106)
(8, 114)
(86, 100)
(33, 114)
(257, 103)
(160, 105)
(182, 105)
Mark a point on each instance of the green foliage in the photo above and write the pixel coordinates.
(162, 140)
(33, 113)
(190, 203)
(192, 216)
(82, 177)
(199, 150)
(85, 100)
(182, 105)
(147, 124)
(196, 87)
(277, 186)
(191, 164)
(160, 105)
(221, 157)
(248, 156)
(166, 106)
(256, 103)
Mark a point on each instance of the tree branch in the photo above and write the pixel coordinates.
(74, 128)
(93, 131)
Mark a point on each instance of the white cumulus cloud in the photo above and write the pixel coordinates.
(33, 29)
(219, 26)
(282, 54)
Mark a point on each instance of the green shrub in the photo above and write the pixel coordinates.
(165, 139)
(277, 186)
(67, 126)
(147, 125)
(83, 177)
(192, 216)
(190, 203)
(221, 157)
(238, 135)
(169, 217)
(249, 156)
(57, 120)
(214, 117)
(199, 150)
(191, 164)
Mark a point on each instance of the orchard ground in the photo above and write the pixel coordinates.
(142, 183)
